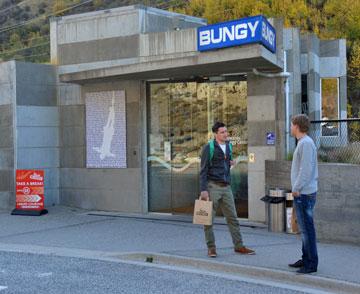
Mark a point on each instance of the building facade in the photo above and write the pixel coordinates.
(119, 118)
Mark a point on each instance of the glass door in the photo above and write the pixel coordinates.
(180, 119)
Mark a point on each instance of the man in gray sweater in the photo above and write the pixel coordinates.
(304, 182)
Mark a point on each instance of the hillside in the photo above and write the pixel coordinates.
(24, 24)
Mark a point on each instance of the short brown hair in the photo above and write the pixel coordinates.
(302, 121)
(217, 126)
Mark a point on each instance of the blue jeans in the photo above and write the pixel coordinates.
(304, 206)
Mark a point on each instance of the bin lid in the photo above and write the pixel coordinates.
(272, 199)
(289, 196)
(276, 193)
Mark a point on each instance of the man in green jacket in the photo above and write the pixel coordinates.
(215, 186)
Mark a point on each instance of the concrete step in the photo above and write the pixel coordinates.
(317, 283)
(173, 218)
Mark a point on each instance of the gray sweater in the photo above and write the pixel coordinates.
(304, 169)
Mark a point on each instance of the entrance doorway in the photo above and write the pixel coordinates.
(180, 117)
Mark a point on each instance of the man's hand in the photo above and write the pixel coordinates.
(204, 195)
(295, 194)
(232, 162)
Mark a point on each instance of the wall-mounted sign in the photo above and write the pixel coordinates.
(251, 157)
(270, 138)
(243, 31)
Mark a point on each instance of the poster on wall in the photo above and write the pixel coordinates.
(105, 129)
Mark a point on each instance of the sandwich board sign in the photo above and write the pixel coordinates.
(29, 193)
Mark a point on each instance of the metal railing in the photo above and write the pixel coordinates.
(337, 140)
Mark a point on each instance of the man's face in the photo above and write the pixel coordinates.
(294, 130)
(222, 134)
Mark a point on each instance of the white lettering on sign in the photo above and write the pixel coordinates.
(253, 28)
(268, 34)
(36, 176)
(223, 34)
(240, 31)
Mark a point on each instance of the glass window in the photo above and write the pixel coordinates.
(181, 115)
(329, 106)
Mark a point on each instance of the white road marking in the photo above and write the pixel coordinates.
(3, 288)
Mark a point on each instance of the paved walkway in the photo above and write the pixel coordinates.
(67, 229)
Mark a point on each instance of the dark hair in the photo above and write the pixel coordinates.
(217, 126)
(302, 121)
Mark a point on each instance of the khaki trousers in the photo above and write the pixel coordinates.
(222, 196)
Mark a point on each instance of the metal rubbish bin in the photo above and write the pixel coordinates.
(291, 223)
(275, 210)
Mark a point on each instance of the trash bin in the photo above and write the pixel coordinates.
(291, 223)
(275, 210)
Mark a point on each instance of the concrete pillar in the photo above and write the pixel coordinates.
(310, 45)
(7, 131)
(37, 124)
(265, 115)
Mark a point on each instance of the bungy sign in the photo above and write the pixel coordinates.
(243, 31)
(29, 192)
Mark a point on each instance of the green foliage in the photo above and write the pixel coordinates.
(342, 19)
(289, 156)
(58, 7)
(326, 18)
(354, 64)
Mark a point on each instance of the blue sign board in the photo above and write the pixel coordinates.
(270, 138)
(243, 31)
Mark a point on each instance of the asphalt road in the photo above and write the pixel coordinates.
(32, 273)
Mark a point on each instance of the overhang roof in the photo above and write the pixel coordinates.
(182, 65)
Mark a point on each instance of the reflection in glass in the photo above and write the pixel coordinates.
(329, 106)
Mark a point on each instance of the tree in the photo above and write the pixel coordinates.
(354, 77)
(98, 3)
(58, 7)
(354, 64)
(342, 19)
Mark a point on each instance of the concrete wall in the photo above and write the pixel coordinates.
(37, 124)
(7, 147)
(105, 189)
(337, 210)
(111, 34)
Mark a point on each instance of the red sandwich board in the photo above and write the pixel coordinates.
(29, 192)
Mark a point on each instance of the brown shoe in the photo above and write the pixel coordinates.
(212, 252)
(244, 250)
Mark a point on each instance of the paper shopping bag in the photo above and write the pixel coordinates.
(203, 212)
